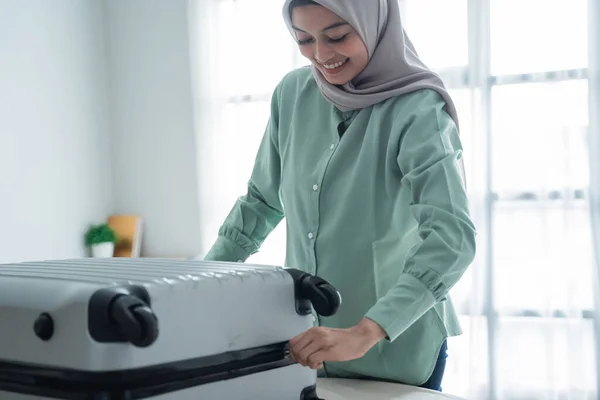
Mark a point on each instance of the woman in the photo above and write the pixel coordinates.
(362, 156)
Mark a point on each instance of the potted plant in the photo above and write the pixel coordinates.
(101, 240)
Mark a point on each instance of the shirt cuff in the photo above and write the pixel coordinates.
(406, 302)
(226, 249)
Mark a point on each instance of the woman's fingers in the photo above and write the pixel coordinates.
(304, 348)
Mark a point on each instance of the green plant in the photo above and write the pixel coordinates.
(101, 233)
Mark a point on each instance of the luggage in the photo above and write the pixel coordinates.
(121, 328)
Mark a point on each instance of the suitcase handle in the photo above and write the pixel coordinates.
(310, 289)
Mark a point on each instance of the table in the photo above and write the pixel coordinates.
(351, 389)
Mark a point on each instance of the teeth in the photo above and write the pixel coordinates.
(336, 65)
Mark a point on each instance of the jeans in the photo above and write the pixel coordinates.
(435, 380)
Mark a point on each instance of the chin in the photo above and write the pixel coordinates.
(337, 81)
(340, 79)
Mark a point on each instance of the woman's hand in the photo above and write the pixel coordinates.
(318, 345)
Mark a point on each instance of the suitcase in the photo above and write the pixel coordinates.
(119, 328)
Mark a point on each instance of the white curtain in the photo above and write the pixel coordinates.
(594, 154)
(520, 74)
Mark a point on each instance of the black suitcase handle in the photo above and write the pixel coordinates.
(315, 291)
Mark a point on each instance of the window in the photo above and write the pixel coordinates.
(524, 97)
(538, 35)
(440, 37)
(254, 52)
(539, 137)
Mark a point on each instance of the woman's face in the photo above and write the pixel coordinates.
(330, 43)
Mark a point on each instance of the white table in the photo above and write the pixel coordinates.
(350, 389)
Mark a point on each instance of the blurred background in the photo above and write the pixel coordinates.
(155, 108)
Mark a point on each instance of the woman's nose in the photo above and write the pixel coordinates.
(322, 52)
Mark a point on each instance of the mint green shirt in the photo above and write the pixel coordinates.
(374, 203)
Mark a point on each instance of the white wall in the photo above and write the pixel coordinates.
(154, 149)
(55, 165)
(96, 117)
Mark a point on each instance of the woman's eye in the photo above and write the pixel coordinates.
(303, 42)
(330, 40)
(338, 40)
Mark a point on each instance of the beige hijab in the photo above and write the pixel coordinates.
(394, 67)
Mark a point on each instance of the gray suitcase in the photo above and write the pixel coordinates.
(120, 328)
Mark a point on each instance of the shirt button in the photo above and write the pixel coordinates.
(310, 235)
(332, 146)
(315, 187)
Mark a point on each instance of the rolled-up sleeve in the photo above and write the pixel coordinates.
(429, 159)
(255, 214)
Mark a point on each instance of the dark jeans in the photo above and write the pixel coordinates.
(435, 381)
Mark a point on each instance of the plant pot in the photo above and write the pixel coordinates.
(102, 250)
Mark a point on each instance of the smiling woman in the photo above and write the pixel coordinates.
(365, 141)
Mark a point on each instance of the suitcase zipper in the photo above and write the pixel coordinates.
(143, 382)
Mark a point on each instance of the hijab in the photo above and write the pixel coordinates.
(394, 67)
